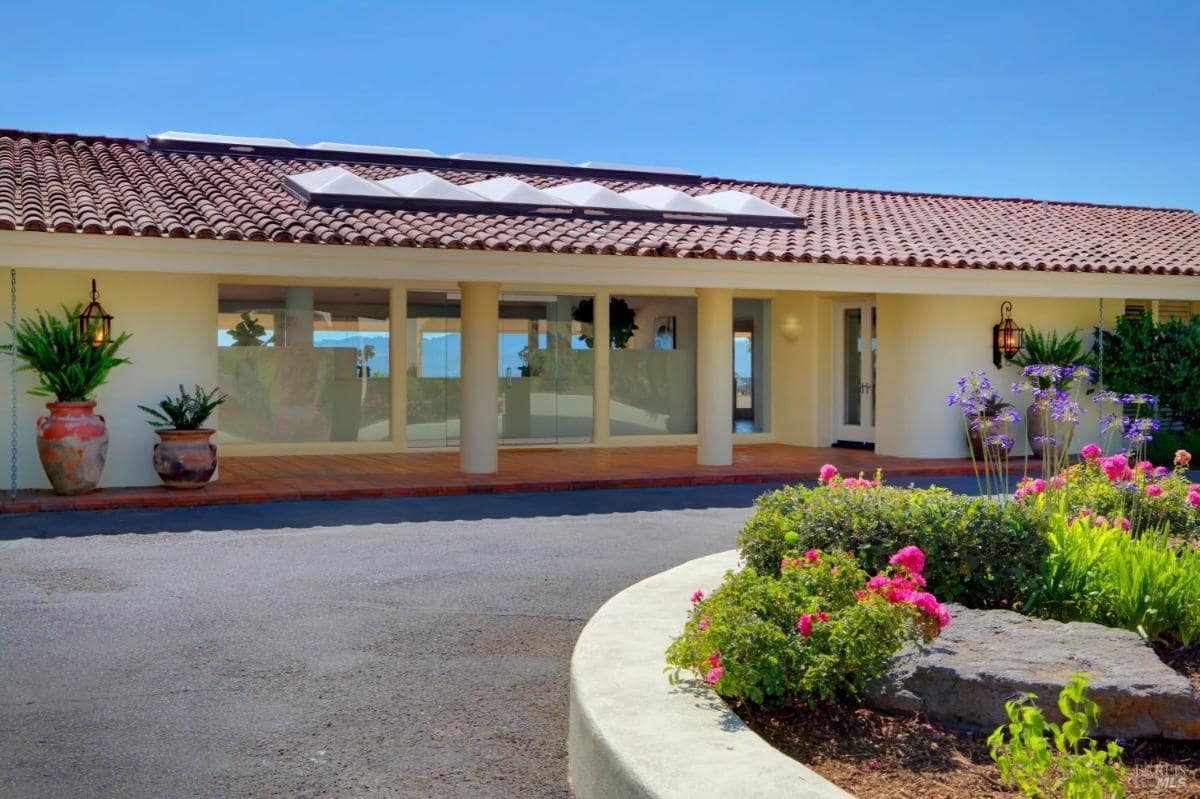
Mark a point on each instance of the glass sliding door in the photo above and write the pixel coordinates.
(546, 366)
(303, 364)
(433, 368)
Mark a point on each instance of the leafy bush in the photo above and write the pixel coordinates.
(1163, 359)
(982, 553)
(68, 366)
(820, 630)
(1046, 759)
(1135, 495)
(1166, 443)
(188, 411)
(1100, 573)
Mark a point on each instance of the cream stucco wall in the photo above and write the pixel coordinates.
(927, 342)
(172, 318)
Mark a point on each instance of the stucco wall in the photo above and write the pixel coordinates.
(927, 342)
(172, 318)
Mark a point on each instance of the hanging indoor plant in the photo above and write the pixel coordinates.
(1049, 349)
(184, 457)
(72, 357)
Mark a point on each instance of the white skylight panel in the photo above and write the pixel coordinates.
(213, 138)
(620, 167)
(373, 149)
(510, 159)
(428, 186)
(739, 202)
(337, 181)
(586, 194)
(664, 198)
(510, 190)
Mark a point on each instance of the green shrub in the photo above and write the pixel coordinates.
(982, 553)
(1163, 359)
(1044, 759)
(1164, 445)
(1100, 573)
(817, 631)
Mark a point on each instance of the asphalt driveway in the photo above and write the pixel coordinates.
(381, 648)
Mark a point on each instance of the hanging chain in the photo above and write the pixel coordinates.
(12, 374)
(1101, 377)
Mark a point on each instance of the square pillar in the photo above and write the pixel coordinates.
(480, 387)
(714, 376)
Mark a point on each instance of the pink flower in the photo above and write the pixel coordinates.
(1182, 458)
(1038, 486)
(1058, 481)
(1124, 523)
(703, 624)
(1100, 520)
(1086, 512)
(714, 659)
(1193, 498)
(911, 558)
(822, 615)
(877, 583)
(1143, 466)
(696, 597)
(714, 675)
(812, 556)
(1091, 452)
(1115, 467)
(860, 595)
(943, 617)
(1154, 490)
(873, 763)
(804, 625)
(828, 472)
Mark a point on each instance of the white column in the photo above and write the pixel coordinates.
(479, 399)
(714, 376)
(600, 351)
(299, 303)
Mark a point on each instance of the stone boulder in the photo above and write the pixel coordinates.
(985, 657)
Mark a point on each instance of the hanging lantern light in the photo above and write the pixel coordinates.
(1007, 338)
(95, 323)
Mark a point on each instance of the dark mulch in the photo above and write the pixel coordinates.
(872, 754)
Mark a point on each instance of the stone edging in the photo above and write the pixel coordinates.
(632, 734)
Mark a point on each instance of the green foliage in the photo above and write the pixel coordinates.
(1163, 359)
(186, 411)
(68, 367)
(982, 554)
(1046, 759)
(249, 332)
(1166, 443)
(1100, 573)
(748, 630)
(1051, 349)
(621, 324)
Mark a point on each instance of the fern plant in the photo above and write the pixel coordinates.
(69, 366)
(188, 411)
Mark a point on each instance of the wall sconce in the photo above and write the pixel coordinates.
(94, 322)
(791, 329)
(1007, 338)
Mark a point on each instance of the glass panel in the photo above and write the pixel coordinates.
(303, 364)
(433, 365)
(751, 361)
(652, 367)
(545, 370)
(852, 347)
(874, 367)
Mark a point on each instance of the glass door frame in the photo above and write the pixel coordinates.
(843, 431)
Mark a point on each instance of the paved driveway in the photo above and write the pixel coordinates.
(373, 648)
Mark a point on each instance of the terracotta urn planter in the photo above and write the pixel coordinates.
(72, 443)
(1062, 432)
(185, 458)
(975, 441)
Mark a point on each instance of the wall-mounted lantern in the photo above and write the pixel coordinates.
(94, 322)
(1007, 338)
(791, 329)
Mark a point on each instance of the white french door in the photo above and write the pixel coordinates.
(854, 362)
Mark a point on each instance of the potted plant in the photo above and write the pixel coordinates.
(184, 457)
(70, 363)
(1049, 349)
(991, 422)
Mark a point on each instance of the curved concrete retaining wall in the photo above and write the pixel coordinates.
(632, 734)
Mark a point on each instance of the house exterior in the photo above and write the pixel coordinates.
(374, 299)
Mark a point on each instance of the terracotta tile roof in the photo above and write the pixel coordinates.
(88, 184)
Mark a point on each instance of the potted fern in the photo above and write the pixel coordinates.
(184, 457)
(71, 364)
(1049, 349)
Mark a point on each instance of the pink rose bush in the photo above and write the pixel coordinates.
(819, 630)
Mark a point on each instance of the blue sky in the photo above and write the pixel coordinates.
(1094, 100)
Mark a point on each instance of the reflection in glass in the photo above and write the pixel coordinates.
(303, 364)
(433, 368)
(652, 391)
(751, 361)
(852, 349)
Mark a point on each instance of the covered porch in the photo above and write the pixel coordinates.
(274, 478)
